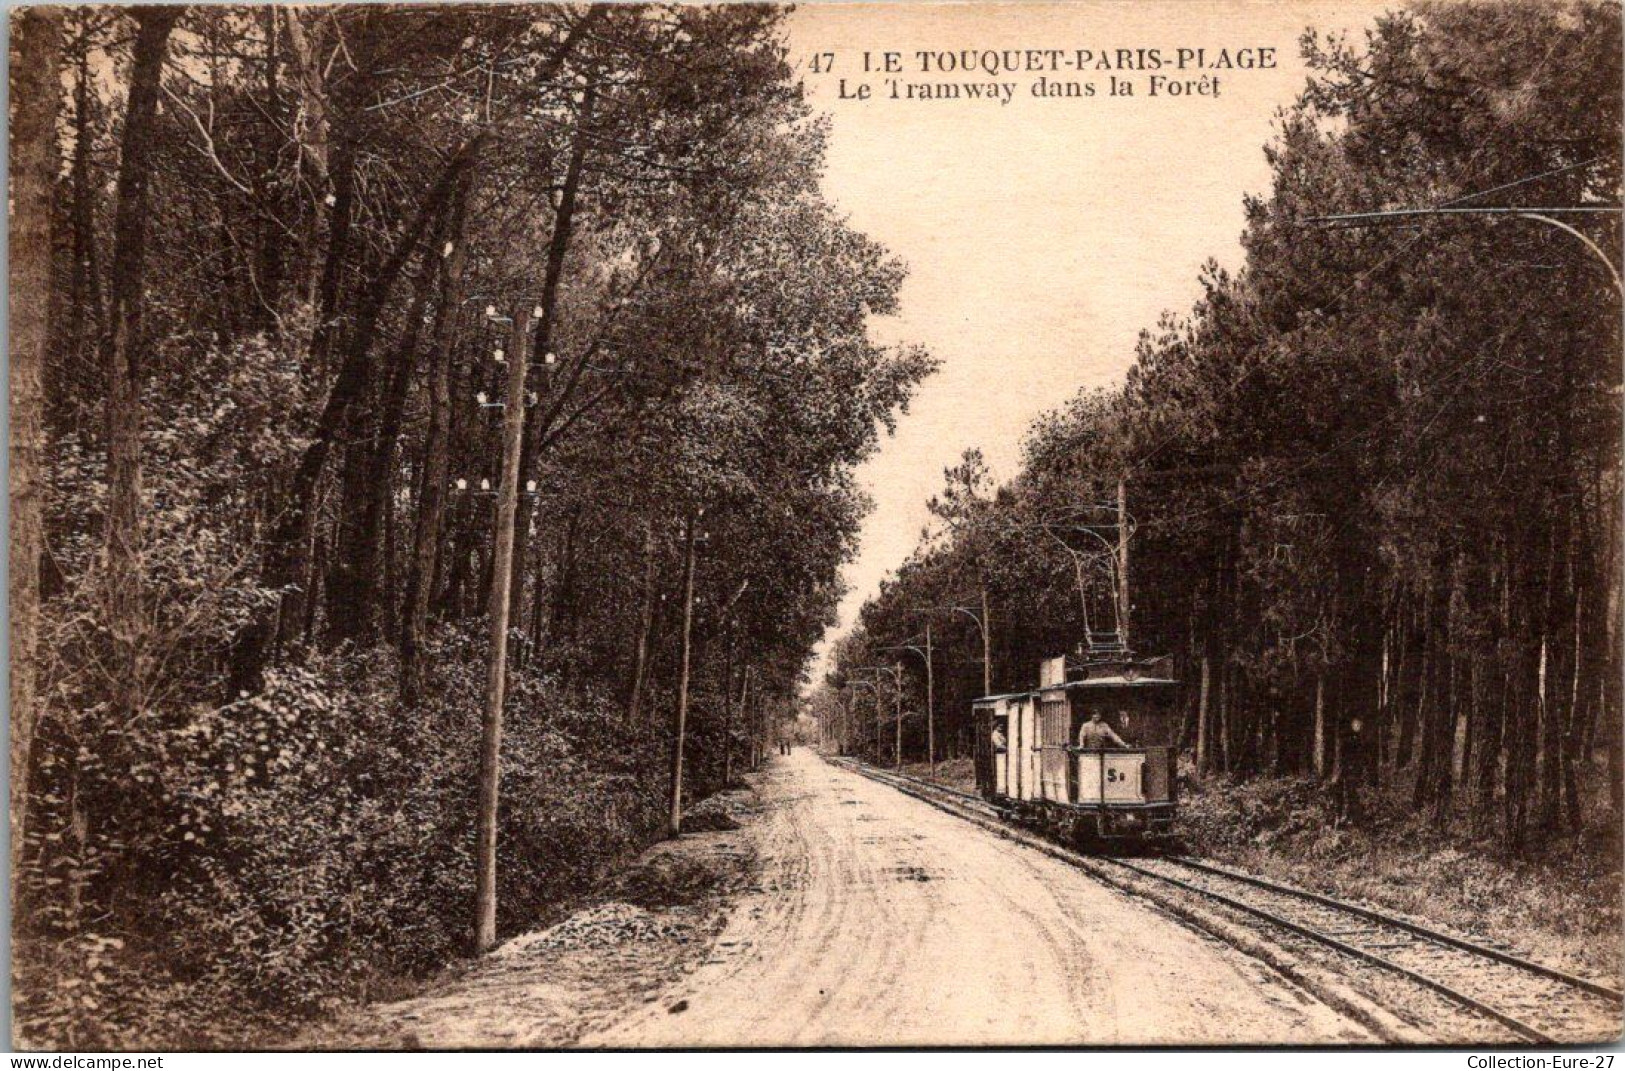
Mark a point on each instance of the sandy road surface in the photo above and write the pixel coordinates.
(881, 920)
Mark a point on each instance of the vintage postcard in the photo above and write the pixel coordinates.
(873, 525)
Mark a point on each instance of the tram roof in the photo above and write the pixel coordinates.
(1096, 682)
(1117, 681)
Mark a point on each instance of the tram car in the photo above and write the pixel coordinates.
(1030, 766)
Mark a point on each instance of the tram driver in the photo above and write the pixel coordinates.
(1095, 734)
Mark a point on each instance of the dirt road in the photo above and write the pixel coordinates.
(880, 920)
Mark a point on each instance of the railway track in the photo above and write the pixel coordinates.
(1537, 1003)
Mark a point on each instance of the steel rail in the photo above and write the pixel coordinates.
(1417, 929)
(920, 789)
(1513, 1023)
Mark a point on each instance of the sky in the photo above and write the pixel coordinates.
(1041, 235)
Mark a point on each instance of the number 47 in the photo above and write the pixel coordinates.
(822, 62)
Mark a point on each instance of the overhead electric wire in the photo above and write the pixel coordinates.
(1138, 465)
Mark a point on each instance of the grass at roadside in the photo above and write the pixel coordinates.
(605, 954)
(1559, 903)
(952, 773)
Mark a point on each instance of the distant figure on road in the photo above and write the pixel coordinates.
(999, 743)
(1095, 734)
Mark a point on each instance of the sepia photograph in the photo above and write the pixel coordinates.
(884, 525)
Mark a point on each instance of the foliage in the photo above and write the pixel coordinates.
(1373, 476)
(254, 779)
(1557, 902)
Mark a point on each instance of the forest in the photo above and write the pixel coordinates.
(1371, 478)
(346, 343)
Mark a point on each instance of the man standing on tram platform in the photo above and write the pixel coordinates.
(1095, 734)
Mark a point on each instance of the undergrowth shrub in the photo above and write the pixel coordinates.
(305, 845)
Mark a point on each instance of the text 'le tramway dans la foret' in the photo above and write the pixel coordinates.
(1000, 76)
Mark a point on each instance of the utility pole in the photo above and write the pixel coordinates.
(880, 720)
(1122, 561)
(675, 824)
(897, 748)
(930, 706)
(513, 429)
(880, 710)
(925, 654)
(986, 626)
(984, 630)
(845, 722)
(896, 672)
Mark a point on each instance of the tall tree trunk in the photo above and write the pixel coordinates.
(1411, 711)
(1472, 713)
(1320, 724)
(388, 577)
(1357, 675)
(123, 350)
(728, 727)
(289, 566)
(1203, 731)
(367, 484)
(36, 46)
(282, 565)
(460, 570)
(85, 288)
(1578, 728)
(1436, 727)
(1521, 731)
(646, 620)
(1606, 654)
(315, 553)
(436, 452)
(558, 246)
(1454, 722)
(312, 125)
(562, 611)
(1492, 728)
(270, 253)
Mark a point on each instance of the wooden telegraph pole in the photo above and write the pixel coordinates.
(930, 706)
(926, 656)
(674, 825)
(1122, 561)
(849, 724)
(987, 644)
(507, 509)
(880, 720)
(897, 747)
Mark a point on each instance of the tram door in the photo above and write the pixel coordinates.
(1054, 721)
(1001, 758)
(1029, 748)
(1018, 746)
